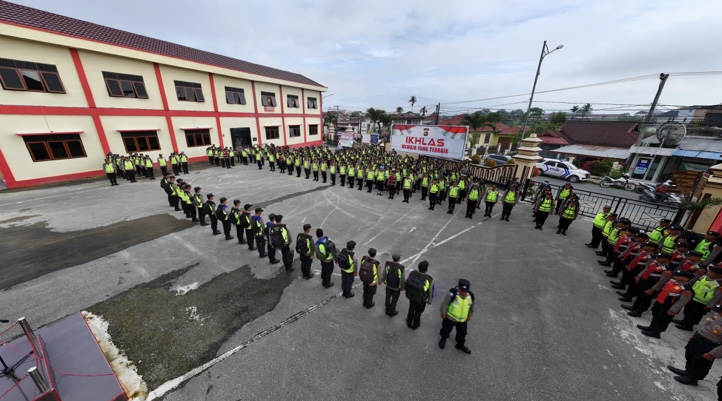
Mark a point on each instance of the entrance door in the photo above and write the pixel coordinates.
(241, 136)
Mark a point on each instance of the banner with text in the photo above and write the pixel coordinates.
(448, 141)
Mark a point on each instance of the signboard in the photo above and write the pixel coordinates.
(642, 166)
(345, 139)
(447, 141)
(374, 139)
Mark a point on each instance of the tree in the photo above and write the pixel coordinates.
(375, 115)
(574, 110)
(494, 117)
(413, 102)
(586, 109)
(423, 111)
(559, 118)
(355, 114)
(475, 121)
(399, 110)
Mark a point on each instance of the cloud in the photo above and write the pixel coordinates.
(377, 53)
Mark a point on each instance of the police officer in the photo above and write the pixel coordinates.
(600, 220)
(511, 198)
(407, 188)
(702, 349)
(326, 254)
(210, 207)
(703, 290)
(348, 269)
(543, 207)
(456, 311)
(237, 221)
(453, 197)
(472, 201)
(369, 289)
(659, 231)
(248, 224)
(223, 212)
(306, 248)
(109, 169)
(671, 299)
(270, 250)
(257, 224)
(394, 278)
(413, 317)
(433, 193)
(490, 198)
(286, 252)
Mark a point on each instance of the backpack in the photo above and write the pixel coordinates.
(330, 250)
(245, 217)
(366, 271)
(302, 246)
(414, 287)
(342, 260)
(454, 292)
(276, 236)
(219, 214)
(393, 271)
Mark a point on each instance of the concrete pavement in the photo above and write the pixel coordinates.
(547, 327)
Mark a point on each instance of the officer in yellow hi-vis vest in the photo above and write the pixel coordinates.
(704, 288)
(600, 220)
(456, 311)
(433, 193)
(509, 200)
(490, 199)
(472, 199)
(608, 227)
(109, 169)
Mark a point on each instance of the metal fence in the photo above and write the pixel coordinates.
(501, 175)
(644, 215)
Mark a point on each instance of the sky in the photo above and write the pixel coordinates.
(460, 54)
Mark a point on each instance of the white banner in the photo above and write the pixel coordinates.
(448, 141)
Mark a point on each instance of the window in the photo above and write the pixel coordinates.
(312, 103)
(28, 76)
(189, 91)
(268, 99)
(487, 138)
(294, 131)
(198, 137)
(312, 130)
(235, 95)
(54, 147)
(292, 101)
(272, 133)
(140, 141)
(125, 85)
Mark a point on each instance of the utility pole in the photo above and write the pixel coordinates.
(438, 110)
(643, 126)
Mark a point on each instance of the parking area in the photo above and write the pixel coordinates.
(546, 324)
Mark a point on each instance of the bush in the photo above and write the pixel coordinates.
(510, 161)
(598, 167)
(476, 159)
(490, 163)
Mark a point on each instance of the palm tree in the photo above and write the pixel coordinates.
(413, 102)
(423, 111)
(586, 109)
(475, 121)
(375, 117)
(574, 111)
(399, 110)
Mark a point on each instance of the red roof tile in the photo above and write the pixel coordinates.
(551, 138)
(619, 134)
(38, 19)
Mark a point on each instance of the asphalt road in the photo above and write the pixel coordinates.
(591, 187)
(546, 327)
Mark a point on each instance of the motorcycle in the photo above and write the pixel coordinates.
(651, 195)
(621, 182)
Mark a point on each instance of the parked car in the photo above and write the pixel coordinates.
(562, 169)
(499, 159)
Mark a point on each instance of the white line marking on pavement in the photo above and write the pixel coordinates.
(416, 257)
(412, 229)
(391, 225)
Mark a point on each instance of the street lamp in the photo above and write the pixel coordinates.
(545, 52)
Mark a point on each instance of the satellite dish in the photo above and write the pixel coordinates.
(671, 133)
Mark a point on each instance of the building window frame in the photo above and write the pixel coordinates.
(487, 138)
(235, 95)
(312, 129)
(198, 137)
(294, 131)
(189, 92)
(28, 76)
(272, 132)
(292, 101)
(312, 103)
(140, 141)
(54, 147)
(125, 85)
(268, 99)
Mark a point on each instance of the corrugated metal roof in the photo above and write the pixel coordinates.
(692, 143)
(594, 151)
(39, 19)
